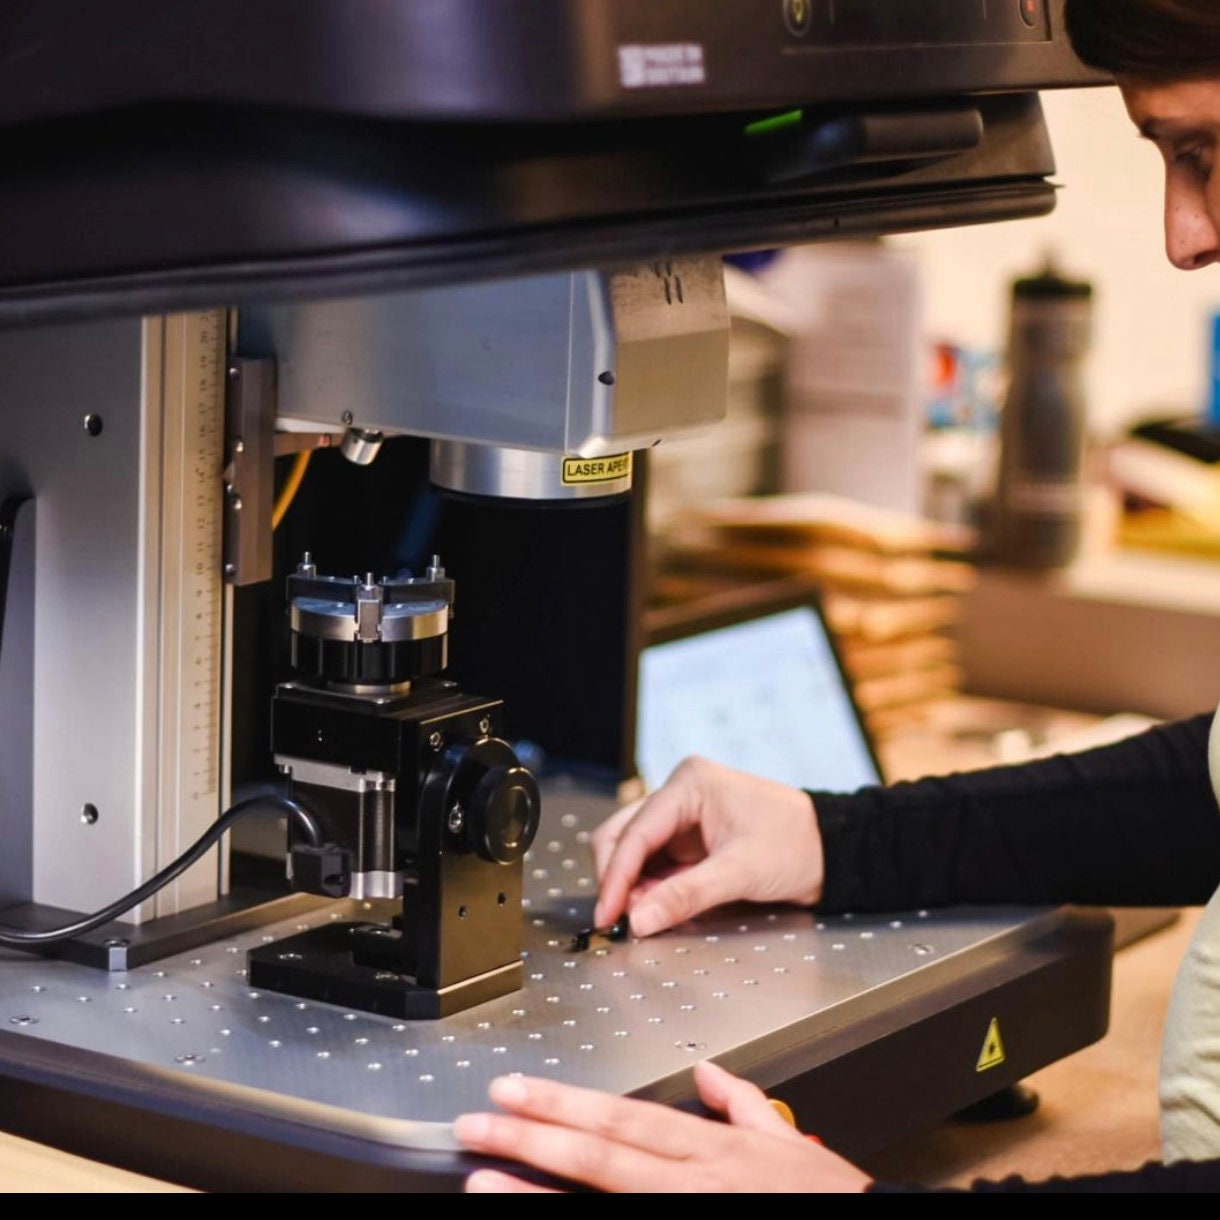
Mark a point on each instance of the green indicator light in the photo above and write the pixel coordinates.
(775, 122)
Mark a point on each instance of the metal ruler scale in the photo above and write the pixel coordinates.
(191, 599)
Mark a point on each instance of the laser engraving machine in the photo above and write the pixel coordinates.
(333, 339)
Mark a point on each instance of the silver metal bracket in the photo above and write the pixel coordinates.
(249, 473)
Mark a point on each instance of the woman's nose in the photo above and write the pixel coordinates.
(1192, 239)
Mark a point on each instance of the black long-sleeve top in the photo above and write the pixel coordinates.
(1130, 824)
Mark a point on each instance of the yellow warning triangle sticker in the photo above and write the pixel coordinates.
(992, 1054)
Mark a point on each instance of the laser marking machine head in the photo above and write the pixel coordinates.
(475, 270)
(535, 388)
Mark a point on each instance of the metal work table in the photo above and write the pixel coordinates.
(182, 1071)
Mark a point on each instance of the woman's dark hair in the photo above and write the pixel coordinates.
(1152, 38)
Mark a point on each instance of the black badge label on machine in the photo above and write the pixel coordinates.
(596, 470)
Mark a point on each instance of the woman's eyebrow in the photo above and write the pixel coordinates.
(1165, 129)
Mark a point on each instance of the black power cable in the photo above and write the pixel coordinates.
(20, 938)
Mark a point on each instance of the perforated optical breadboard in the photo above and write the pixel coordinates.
(628, 1016)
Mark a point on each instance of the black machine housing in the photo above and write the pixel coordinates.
(320, 148)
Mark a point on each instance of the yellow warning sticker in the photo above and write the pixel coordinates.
(596, 470)
(992, 1054)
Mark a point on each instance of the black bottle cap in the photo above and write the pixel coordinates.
(1048, 284)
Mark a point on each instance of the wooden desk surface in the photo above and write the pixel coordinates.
(30, 1168)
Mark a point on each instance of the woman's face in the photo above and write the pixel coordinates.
(1182, 119)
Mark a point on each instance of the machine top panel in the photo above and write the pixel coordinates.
(205, 153)
(519, 60)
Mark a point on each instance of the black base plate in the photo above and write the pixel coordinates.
(319, 965)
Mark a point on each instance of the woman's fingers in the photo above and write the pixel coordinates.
(646, 1125)
(584, 1135)
(621, 854)
(565, 1154)
(684, 894)
(492, 1181)
(744, 1104)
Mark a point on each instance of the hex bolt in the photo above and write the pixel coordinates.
(435, 739)
(456, 819)
(485, 725)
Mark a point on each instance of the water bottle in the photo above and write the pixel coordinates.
(1038, 508)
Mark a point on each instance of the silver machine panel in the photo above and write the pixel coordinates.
(585, 363)
(112, 646)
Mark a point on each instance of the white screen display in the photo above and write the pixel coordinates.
(764, 696)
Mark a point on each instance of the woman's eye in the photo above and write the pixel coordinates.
(1196, 158)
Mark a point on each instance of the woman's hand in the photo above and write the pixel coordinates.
(615, 1144)
(709, 836)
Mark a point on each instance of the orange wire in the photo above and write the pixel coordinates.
(291, 486)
